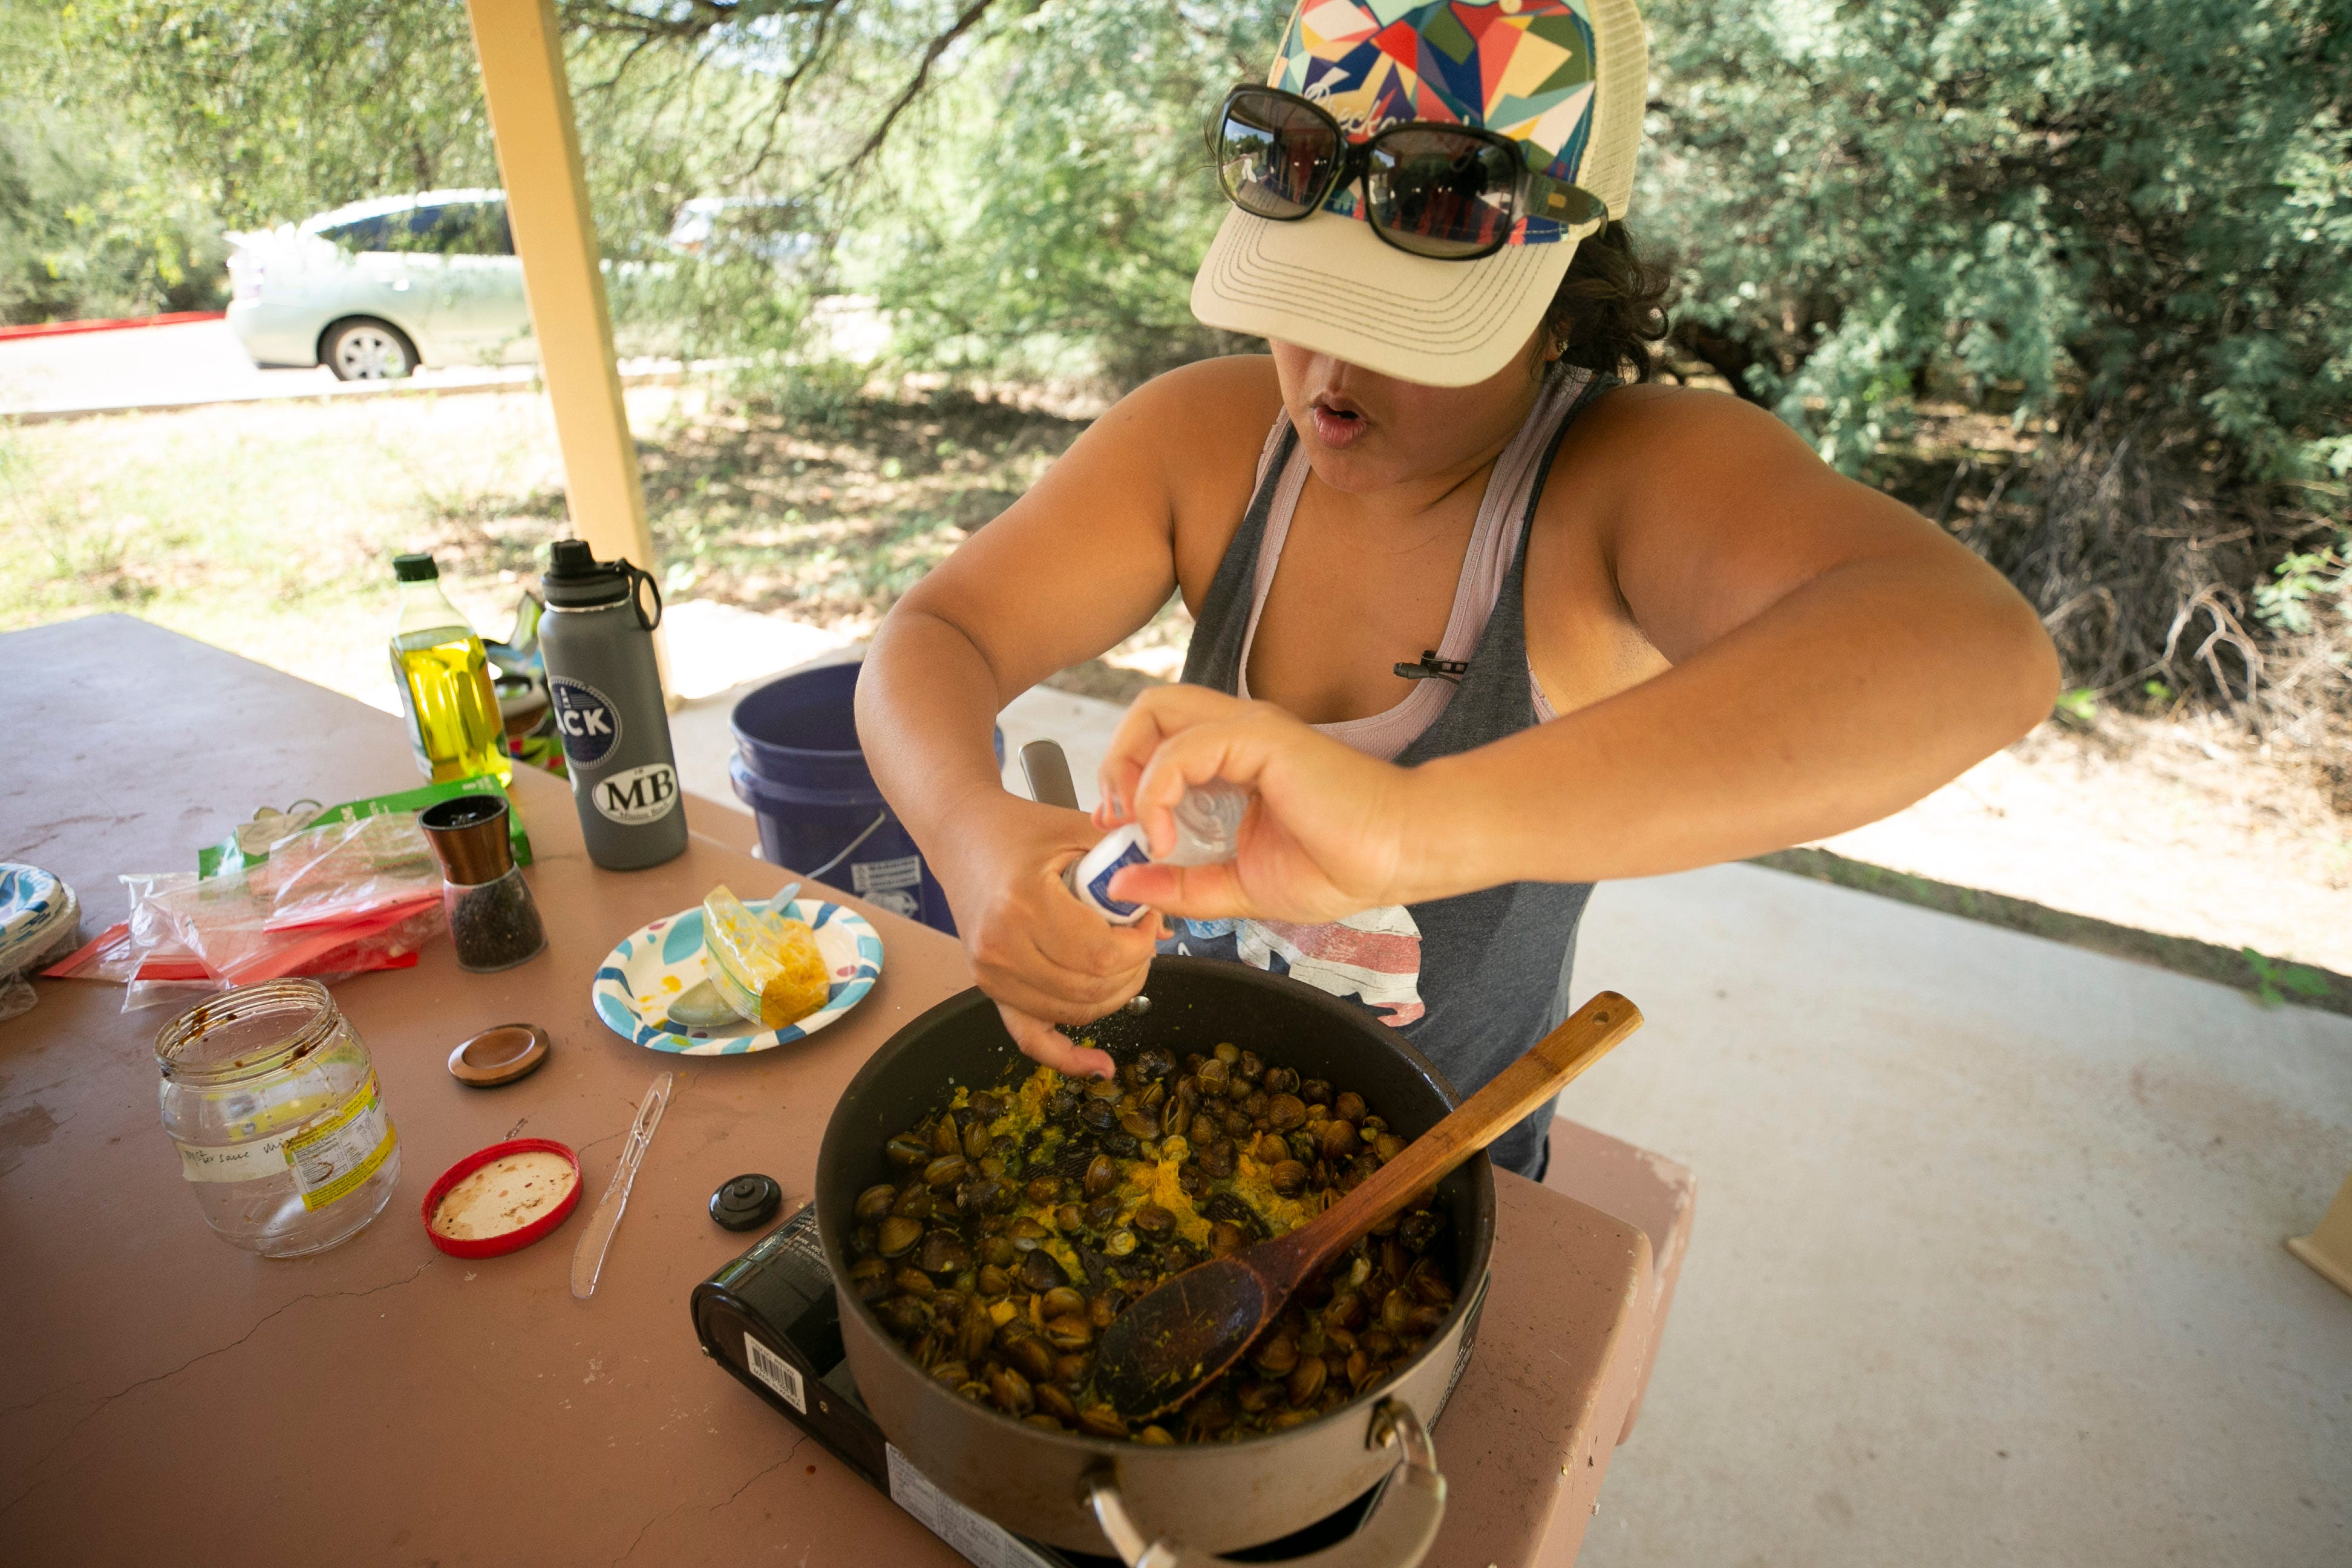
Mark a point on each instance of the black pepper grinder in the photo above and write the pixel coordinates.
(492, 918)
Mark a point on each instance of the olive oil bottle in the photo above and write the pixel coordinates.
(443, 678)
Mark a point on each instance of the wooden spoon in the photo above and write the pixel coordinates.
(1184, 1334)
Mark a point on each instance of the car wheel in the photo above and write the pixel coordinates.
(366, 350)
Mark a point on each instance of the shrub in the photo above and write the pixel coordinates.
(88, 228)
(2145, 204)
(1047, 216)
(2129, 221)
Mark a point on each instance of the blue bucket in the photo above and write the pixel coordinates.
(798, 766)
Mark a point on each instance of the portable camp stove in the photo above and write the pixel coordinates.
(770, 1319)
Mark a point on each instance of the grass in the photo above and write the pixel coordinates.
(270, 530)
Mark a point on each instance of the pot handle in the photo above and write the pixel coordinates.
(1397, 1533)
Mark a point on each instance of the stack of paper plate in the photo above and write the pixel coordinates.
(39, 917)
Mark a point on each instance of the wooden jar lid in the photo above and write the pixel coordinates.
(499, 1056)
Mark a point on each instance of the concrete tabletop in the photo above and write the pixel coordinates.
(166, 1396)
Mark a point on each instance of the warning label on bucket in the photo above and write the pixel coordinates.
(894, 885)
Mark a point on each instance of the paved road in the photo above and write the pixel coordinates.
(194, 362)
(200, 361)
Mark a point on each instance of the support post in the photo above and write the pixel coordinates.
(521, 47)
(2329, 1247)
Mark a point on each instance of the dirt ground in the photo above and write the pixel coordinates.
(2183, 826)
(268, 530)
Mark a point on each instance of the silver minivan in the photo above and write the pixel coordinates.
(378, 288)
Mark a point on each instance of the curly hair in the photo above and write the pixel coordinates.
(1610, 307)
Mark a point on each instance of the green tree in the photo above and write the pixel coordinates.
(2129, 218)
(2144, 204)
(278, 109)
(269, 111)
(92, 222)
(1050, 211)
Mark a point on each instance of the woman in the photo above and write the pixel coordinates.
(1654, 630)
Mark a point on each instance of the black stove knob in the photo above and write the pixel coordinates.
(747, 1202)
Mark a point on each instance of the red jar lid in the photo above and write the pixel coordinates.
(521, 1236)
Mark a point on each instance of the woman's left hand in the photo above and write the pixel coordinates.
(1329, 831)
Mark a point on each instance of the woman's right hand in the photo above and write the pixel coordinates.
(1043, 957)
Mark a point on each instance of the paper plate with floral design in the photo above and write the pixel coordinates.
(646, 989)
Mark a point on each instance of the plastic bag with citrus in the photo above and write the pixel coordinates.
(766, 965)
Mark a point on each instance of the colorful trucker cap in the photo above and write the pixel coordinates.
(1564, 78)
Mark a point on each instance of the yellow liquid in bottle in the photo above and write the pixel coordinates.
(453, 711)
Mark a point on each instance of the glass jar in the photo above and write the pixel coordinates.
(273, 1101)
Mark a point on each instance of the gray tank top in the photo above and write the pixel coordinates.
(1472, 981)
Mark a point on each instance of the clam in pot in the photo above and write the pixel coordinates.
(1102, 1495)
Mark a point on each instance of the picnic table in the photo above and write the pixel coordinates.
(168, 1397)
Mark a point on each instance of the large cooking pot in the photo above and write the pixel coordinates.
(1093, 1495)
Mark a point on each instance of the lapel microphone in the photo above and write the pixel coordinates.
(1429, 666)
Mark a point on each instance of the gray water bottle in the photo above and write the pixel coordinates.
(606, 689)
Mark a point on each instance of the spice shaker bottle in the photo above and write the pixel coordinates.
(1208, 830)
(493, 920)
(607, 691)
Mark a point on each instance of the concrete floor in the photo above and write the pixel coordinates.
(1988, 1263)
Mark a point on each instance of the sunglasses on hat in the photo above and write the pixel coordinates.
(1453, 192)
